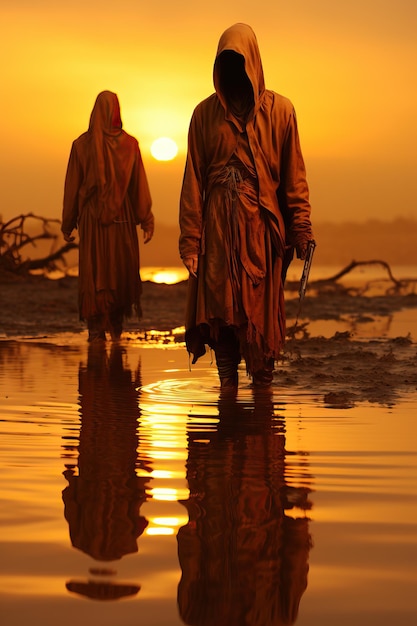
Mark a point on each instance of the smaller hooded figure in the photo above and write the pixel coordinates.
(244, 209)
(106, 196)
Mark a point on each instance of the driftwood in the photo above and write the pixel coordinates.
(332, 282)
(354, 264)
(15, 237)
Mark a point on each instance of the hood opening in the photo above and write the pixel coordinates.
(233, 82)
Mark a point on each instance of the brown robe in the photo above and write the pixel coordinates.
(244, 207)
(106, 196)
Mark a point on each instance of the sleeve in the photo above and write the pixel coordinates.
(140, 195)
(73, 181)
(192, 192)
(293, 192)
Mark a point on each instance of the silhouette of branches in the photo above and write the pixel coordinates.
(354, 264)
(27, 230)
(332, 282)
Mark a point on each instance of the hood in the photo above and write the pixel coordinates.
(240, 40)
(105, 116)
(111, 155)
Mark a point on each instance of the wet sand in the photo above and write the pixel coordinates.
(132, 491)
(348, 348)
(36, 306)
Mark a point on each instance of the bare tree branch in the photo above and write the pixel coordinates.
(48, 260)
(353, 265)
(332, 281)
(14, 236)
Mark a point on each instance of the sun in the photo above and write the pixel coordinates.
(164, 149)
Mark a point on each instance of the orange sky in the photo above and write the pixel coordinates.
(349, 69)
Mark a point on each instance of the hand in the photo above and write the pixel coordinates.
(191, 263)
(147, 235)
(301, 249)
(68, 238)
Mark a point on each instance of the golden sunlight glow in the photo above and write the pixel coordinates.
(166, 456)
(165, 525)
(167, 521)
(165, 494)
(157, 473)
(164, 149)
(169, 278)
(159, 531)
(166, 275)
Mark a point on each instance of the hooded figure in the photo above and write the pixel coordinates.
(106, 196)
(244, 208)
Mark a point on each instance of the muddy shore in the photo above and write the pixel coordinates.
(345, 368)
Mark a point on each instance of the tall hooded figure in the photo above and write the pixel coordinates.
(106, 196)
(244, 209)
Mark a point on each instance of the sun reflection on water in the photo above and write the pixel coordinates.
(165, 275)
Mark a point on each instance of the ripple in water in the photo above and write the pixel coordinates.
(203, 407)
(188, 391)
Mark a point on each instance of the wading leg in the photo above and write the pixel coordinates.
(116, 324)
(226, 349)
(264, 376)
(96, 328)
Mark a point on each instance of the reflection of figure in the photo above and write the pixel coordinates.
(244, 209)
(106, 196)
(102, 503)
(244, 560)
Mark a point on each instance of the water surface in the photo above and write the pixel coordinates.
(131, 493)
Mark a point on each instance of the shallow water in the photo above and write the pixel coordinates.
(132, 494)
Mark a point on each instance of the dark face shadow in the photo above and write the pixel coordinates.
(104, 494)
(244, 551)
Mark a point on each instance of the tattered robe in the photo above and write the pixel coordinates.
(244, 207)
(106, 195)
